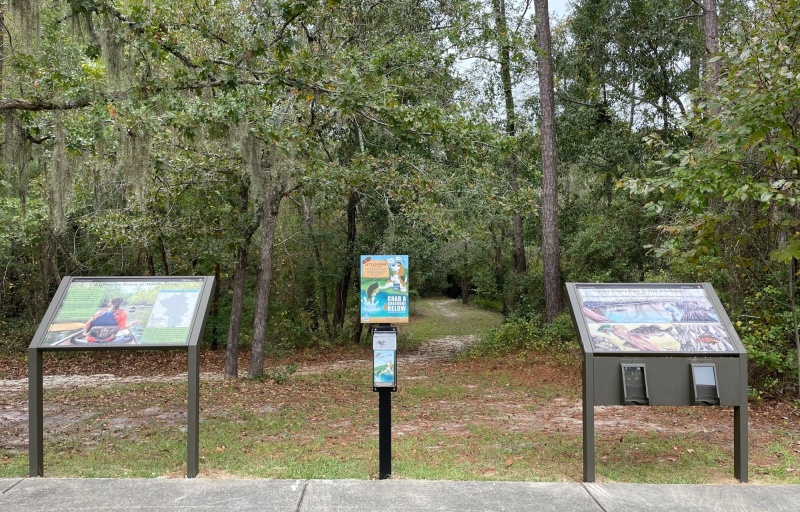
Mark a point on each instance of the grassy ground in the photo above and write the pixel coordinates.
(438, 318)
(517, 418)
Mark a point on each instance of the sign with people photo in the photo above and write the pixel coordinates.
(384, 289)
(116, 312)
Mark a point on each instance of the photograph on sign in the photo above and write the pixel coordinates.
(655, 318)
(105, 312)
(384, 289)
(384, 368)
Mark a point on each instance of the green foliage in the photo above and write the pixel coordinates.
(607, 245)
(730, 201)
(765, 328)
(529, 335)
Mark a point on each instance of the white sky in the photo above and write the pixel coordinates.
(558, 7)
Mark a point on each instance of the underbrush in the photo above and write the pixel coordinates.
(529, 334)
(15, 336)
(766, 331)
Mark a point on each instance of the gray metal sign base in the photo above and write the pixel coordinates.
(740, 419)
(36, 414)
(658, 344)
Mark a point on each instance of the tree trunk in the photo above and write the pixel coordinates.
(465, 276)
(237, 305)
(165, 258)
(319, 284)
(269, 221)
(793, 270)
(151, 265)
(497, 268)
(341, 288)
(504, 45)
(554, 301)
(215, 309)
(2, 47)
(237, 302)
(710, 30)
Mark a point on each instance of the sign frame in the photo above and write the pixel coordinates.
(654, 311)
(39, 346)
(383, 289)
(669, 374)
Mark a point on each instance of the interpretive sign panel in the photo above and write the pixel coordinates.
(384, 369)
(384, 289)
(652, 318)
(648, 344)
(117, 312)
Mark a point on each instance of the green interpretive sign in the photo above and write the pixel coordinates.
(122, 312)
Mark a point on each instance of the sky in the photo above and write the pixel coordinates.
(558, 7)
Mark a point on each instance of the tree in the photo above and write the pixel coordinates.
(711, 34)
(554, 301)
(733, 198)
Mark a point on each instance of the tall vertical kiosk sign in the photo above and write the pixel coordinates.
(121, 313)
(658, 344)
(384, 301)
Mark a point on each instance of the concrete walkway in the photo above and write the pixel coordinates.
(150, 495)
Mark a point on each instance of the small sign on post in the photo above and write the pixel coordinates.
(384, 300)
(384, 289)
(384, 365)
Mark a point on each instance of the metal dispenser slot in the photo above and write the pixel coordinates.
(384, 370)
(704, 384)
(634, 384)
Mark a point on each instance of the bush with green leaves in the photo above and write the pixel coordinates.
(765, 328)
(529, 334)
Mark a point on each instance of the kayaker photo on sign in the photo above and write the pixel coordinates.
(108, 322)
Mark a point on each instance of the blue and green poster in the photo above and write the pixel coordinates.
(384, 289)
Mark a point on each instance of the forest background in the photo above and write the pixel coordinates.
(269, 143)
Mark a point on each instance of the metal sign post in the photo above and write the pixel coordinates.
(384, 381)
(121, 313)
(384, 299)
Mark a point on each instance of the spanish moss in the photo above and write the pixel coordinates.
(113, 46)
(136, 162)
(26, 16)
(15, 149)
(252, 153)
(60, 182)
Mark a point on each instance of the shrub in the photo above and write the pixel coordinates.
(765, 328)
(529, 334)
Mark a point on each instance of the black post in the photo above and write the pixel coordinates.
(385, 433)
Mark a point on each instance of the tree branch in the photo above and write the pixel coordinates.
(38, 106)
